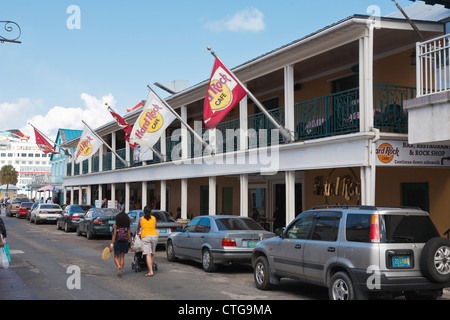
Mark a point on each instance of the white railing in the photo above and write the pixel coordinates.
(432, 65)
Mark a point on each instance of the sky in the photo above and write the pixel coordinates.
(77, 55)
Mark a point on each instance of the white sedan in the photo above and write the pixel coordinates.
(48, 212)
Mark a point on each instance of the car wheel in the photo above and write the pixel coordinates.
(66, 227)
(208, 261)
(435, 260)
(341, 287)
(170, 252)
(78, 232)
(261, 273)
(89, 235)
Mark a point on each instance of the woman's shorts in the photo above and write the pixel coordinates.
(149, 244)
(121, 247)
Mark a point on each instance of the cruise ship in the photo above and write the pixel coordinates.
(29, 161)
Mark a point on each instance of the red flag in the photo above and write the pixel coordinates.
(124, 125)
(223, 94)
(43, 144)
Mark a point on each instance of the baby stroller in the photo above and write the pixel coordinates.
(139, 261)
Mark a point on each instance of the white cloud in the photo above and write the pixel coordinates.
(249, 19)
(94, 113)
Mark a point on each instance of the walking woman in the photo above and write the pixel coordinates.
(149, 237)
(121, 240)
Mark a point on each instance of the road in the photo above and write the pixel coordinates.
(44, 258)
(49, 262)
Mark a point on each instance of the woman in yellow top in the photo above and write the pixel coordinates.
(149, 236)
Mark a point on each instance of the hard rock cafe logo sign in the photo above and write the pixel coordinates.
(85, 147)
(220, 89)
(150, 121)
(386, 152)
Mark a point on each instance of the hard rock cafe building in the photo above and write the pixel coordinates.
(340, 91)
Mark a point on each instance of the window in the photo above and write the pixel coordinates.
(358, 227)
(408, 229)
(204, 226)
(326, 229)
(300, 228)
(237, 224)
(190, 227)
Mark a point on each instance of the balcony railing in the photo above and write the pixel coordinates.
(333, 114)
(432, 63)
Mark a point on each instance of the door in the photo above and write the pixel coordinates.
(288, 252)
(227, 200)
(321, 249)
(416, 195)
(198, 237)
(183, 241)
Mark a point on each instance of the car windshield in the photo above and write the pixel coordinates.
(162, 216)
(106, 212)
(237, 224)
(50, 206)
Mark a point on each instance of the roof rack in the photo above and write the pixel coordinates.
(362, 207)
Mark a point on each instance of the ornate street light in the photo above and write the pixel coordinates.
(13, 29)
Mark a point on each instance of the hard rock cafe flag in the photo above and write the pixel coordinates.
(43, 144)
(151, 123)
(223, 94)
(88, 145)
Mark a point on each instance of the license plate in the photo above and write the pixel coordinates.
(401, 261)
(51, 218)
(163, 231)
(113, 222)
(250, 244)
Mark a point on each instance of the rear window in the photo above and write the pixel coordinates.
(50, 206)
(393, 228)
(162, 216)
(408, 229)
(237, 224)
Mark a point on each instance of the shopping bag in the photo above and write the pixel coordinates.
(106, 253)
(6, 248)
(3, 259)
(137, 244)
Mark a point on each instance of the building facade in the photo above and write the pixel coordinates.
(339, 91)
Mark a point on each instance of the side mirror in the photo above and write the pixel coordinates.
(280, 232)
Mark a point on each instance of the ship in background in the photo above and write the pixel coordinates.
(29, 161)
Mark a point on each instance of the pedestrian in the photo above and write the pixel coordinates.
(149, 237)
(105, 203)
(121, 240)
(2, 230)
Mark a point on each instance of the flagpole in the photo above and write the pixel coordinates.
(159, 155)
(66, 152)
(205, 144)
(120, 158)
(287, 136)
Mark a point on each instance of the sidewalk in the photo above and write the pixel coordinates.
(12, 287)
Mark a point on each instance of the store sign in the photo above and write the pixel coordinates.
(401, 153)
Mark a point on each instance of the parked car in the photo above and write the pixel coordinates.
(358, 251)
(71, 216)
(214, 240)
(165, 223)
(24, 208)
(48, 212)
(14, 205)
(97, 222)
(31, 209)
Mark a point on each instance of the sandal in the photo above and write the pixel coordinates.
(119, 273)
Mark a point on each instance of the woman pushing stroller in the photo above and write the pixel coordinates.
(149, 237)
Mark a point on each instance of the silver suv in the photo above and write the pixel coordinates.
(357, 252)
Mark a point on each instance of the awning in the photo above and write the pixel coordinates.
(49, 188)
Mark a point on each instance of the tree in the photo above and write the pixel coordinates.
(8, 175)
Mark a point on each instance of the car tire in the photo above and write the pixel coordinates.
(208, 261)
(66, 227)
(79, 232)
(170, 252)
(435, 260)
(89, 235)
(341, 287)
(261, 273)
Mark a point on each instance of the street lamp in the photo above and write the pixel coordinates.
(13, 28)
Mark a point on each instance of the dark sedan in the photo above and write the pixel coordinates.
(97, 222)
(72, 215)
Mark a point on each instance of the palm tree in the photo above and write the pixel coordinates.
(8, 175)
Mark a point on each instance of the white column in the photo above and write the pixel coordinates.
(88, 197)
(64, 194)
(244, 195)
(212, 196)
(162, 200)
(184, 134)
(184, 195)
(290, 196)
(100, 159)
(243, 124)
(113, 195)
(127, 197)
(71, 195)
(80, 195)
(289, 113)
(100, 194)
(366, 80)
(144, 199)
(113, 146)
